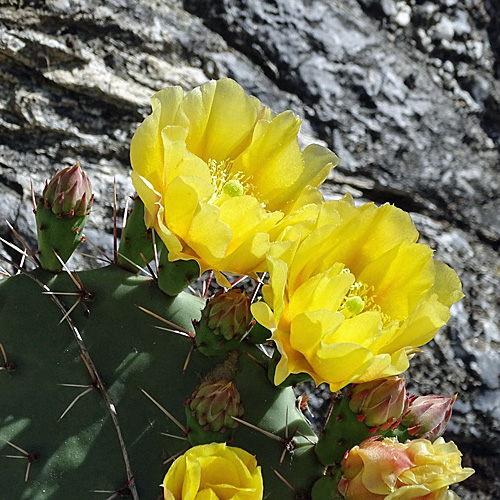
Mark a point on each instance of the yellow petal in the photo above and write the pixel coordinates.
(167, 101)
(221, 118)
(323, 291)
(245, 216)
(149, 196)
(181, 201)
(274, 160)
(401, 277)
(447, 285)
(208, 236)
(277, 279)
(146, 150)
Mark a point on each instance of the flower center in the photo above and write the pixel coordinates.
(361, 298)
(228, 184)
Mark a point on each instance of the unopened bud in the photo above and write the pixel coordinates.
(380, 401)
(214, 404)
(69, 192)
(228, 314)
(428, 416)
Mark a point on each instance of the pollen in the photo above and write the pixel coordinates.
(233, 188)
(226, 182)
(361, 298)
(354, 304)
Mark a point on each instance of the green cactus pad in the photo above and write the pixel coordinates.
(135, 240)
(58, 234)
(79, 455)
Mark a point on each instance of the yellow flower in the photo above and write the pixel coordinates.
(214, 472)
(351, 299)
(389, 470)
(217, 171)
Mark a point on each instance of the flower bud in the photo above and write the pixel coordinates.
(379, 402)
(69, 192)
(386, 470)
(214, 404)
(228, 314)
(428, 416)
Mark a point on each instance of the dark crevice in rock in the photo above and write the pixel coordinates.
(493, 9)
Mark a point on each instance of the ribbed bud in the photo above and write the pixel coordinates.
(214, 404)
(380, 402)
(228, 314)
(428, 416)
(69, 192)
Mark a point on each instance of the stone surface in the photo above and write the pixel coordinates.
(406, 92)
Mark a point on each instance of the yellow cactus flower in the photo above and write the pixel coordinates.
(217, 171)
(352, 298)
(214, 472)
(389, 470)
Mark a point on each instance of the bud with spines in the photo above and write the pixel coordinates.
(379, 403)
(61, 214)
(224, 321)
(427, 416)
(69, 192)
(211, 409)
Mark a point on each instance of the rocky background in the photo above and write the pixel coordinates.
(407, 93)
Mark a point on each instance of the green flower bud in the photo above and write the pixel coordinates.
(69, 192)
(228, 314)
(380, 402)
(214, 404)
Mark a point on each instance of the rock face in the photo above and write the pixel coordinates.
(407, 93)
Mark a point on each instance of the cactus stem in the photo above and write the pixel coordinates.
(178, 328)
(182, 438)
(86, 391)
(150, 269)
(166, 412)
(23, 243)
(282, 479)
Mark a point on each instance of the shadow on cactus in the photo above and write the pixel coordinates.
(118, 383)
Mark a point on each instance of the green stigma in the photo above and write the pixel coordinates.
(354, 304)
(233, 188)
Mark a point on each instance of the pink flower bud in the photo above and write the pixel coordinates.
(379, 402)
(69, 192)
(428, 416)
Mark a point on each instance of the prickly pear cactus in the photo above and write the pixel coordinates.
(113, 379)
